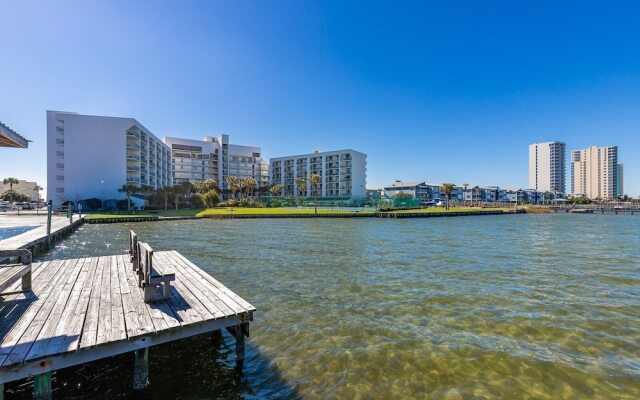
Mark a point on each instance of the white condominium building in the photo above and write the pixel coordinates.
(594, 172)
(214, 158)
(343, 172)
(547, 167)
(92, 156)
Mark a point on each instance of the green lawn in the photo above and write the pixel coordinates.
(272, 211)
(217, 211)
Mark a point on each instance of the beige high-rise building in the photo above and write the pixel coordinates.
(594, 172)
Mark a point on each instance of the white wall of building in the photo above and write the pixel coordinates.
(215, 158)
(87, 157)
(348, 181)
(547, 167)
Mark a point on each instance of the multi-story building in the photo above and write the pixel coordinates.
(92, 156)
(343, 173)
(417, 190)
(214, 158)
(594, 172)
(23, 187)
(547, 167)
(620, 180)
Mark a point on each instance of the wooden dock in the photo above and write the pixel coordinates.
(37, 239)
(81, 310)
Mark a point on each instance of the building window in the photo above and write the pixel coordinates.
(60, 190)
(59, 165)
(59, 177)
(60, 153)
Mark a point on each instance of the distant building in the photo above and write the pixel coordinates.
(417, 190)
(374, 194)
(214, 158)
(547, 167)
(594, 172)
(343, 173)
(620, 178)
(10, 138)
(92, 156)
(23, 187)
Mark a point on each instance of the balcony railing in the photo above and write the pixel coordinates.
(134, 134)
(133, 145)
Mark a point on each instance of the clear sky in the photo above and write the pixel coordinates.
(434, 91)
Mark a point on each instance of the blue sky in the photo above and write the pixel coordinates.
(442, 91)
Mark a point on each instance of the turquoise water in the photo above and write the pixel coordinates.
(513, 307)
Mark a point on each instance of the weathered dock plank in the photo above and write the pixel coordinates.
(82, 310)
(38, 235)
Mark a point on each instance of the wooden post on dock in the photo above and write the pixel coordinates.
(240, 347)
(141, 369)
(239, 332)
(42, 386)
(49, 207)
(1, 391)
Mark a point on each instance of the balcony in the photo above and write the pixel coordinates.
(133, 179)
(133, 145)
(133, 157)
(133, 168)
(133, 134)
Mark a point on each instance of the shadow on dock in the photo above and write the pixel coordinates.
(201, 367)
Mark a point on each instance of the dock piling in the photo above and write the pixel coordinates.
(141, 369)
(42, 386)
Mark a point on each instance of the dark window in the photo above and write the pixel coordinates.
(185, 147)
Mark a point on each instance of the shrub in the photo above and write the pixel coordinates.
(122, 205)
(92, 204)
(17, 197)
(232, 203)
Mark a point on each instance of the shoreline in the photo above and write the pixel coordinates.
(340, 215)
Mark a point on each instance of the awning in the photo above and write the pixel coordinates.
(10, 138)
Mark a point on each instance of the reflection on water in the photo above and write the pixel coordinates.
(531, 306)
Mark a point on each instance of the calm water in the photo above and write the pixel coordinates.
(514, 307)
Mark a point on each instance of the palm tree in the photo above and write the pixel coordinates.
(465, 186)
(37, 189)
(165, 192)
(447, 189)
(555, 193)
(128, 189)
(205, 186)
(145, 190)
(315, 181)
(10, 181)
(301, 185)
(250, 186)
(275, 190)
(233, 184)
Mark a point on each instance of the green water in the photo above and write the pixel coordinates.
(513, 307)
